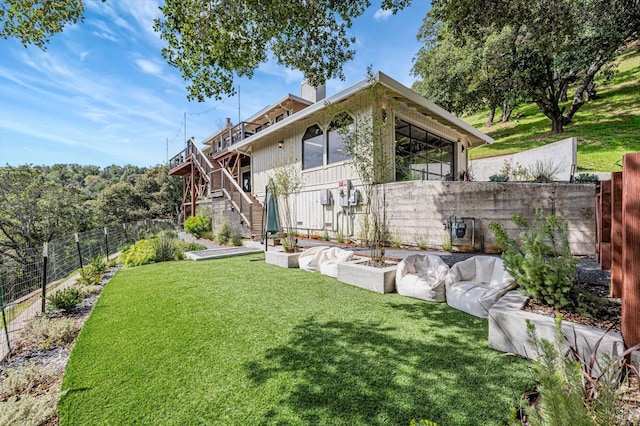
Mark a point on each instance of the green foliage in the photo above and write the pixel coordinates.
(587, 178)
(191, 246)
(44, 333)
(141, 253)
(366, 143)
(34, 210)
(543, 59)
(498, 178)
(92, 273)
(34, 22)
(544, 170)
(395, 239)
(165, 248)
(120, 203)
(23, 379)
(515, 172)
(569, 391)
(541, 262)
(422, 422)
(196, 225)
(224, 231)
(66, 300)
(325, 235)
(236, 239)
(29, 410)
(421, 239)
(310, 37)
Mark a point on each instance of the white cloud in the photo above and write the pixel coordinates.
(149, 67)
(382, 15)
(84, 54)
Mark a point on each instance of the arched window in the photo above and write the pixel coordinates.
(312, 147)
(335, 141)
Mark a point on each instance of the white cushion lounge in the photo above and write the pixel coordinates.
(422, 277)
(324, 259)
(308, 259)
(476, 284)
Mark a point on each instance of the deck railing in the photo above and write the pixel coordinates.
(218, 179)
(235, 134)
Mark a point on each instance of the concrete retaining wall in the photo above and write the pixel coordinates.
(561, 154)
(418, 209)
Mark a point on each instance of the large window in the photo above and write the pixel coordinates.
(312, 147)
(422, 155)
(335, 142)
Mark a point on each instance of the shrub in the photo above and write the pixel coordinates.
(168, 233)
(89, 290)
(395, 239)
(29, 410)
(99, 265)
(515, 172)
(196, 225)
(140, 253)
(190, 246)
(43, 332)
(587, 178)
(23, 379)
(541, 262)
(165, 248)
(224, 232)
(498, 178)
(325, 235)
(236, 239)
(569, 391)
(421, 240)
(544, 171)
(66, 300)
(92, 273)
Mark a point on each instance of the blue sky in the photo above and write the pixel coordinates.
(102, 94)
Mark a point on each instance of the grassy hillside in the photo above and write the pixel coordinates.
(607, 127)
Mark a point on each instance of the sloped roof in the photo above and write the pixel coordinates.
(403, 94)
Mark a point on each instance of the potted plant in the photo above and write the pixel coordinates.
(542, 264)
(365, 141)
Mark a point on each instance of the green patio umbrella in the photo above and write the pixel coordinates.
(273, 222)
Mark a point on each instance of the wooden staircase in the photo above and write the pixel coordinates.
(205, 178)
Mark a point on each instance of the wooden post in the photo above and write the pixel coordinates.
(605, 225)
(631, 249)
(616, 235)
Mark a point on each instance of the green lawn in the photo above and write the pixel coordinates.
(606, 128)
(238, 342)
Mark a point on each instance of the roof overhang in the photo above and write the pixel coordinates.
(402, 93)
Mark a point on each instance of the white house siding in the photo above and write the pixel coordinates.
(309, 214)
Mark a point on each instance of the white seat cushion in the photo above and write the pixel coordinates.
(422, 277)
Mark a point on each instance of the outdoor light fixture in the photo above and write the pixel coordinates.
(280, 144)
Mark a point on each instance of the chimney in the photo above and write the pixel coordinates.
(313, 94)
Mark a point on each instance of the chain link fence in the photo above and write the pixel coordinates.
(28, 277)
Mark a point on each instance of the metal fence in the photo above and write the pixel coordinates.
(27, 277)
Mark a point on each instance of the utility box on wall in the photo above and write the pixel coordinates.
(344, 189)
(325, 197)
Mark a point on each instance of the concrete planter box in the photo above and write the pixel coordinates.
(380, 280)
(282, 259)
(508, 331)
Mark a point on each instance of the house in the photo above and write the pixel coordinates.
(428, 143)
(428, 151)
